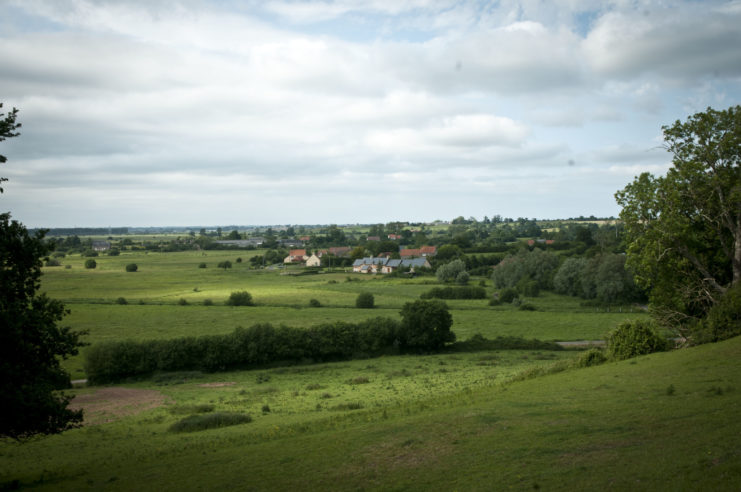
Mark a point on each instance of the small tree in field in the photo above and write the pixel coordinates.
(365, 300)
(225, 264)
(131, 267)
(240, 298)
(425, 325)
(90, 264)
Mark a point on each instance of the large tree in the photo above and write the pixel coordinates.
(683, 230)
(31, 342)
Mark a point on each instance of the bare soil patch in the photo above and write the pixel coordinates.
(110, 404)
(216, 385)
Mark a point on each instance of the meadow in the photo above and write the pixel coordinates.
(486, 420)
(666, 421)
(165, 299)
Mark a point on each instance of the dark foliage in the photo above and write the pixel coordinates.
(31, 343)
(480, 343)
(633, 338)
(508, 295)
(257, 346)
(196, 423)
(240, 298)
(425, 326)
(365, 300)
(722, 321)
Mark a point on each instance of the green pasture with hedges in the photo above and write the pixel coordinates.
(165, 299)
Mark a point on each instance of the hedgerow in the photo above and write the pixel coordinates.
(244, 348)
(467, 292)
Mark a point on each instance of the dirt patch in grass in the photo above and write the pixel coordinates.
(110, 404)
(216, 385)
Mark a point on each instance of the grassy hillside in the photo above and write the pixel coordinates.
(661, 422)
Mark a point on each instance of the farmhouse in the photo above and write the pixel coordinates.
(335, 251)
(241, 243)
(101, 245)
(313, 261)
(296, 256)
(422, 252)
(387, 265)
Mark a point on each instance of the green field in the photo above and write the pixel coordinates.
(661, 422)
(163, 279)
(452, 421)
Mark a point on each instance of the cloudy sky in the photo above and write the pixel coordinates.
(197, 112)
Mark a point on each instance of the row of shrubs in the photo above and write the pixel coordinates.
(90, 264)
(258, 345)
(466, 292)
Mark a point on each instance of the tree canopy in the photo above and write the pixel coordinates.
(683, 230)
(31, 343)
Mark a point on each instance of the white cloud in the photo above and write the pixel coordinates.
(243, 103)
(682, 44)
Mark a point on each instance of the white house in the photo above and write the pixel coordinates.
(313, 261)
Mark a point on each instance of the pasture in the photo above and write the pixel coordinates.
(165, 280)
(444, 422)
(452, 421)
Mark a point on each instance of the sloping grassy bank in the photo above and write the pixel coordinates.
(666, 421)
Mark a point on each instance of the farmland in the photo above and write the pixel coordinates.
(483, 420)
(165, 299)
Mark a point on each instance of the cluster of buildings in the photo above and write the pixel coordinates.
(388, 265)
(409, 258)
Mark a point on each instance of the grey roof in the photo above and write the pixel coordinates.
(415, 262)
(370, 261)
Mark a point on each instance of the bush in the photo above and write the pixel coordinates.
(225, 264)
(479, 343)
(239, 260)
(592, 357)
(529, 288)
(462, 278)
(526, 306)
(196, 423)
(240, 298)
(201, 265)
(90, 264)
(122, 301)
(314, 303)
(722, 321)
(208, 302)
(425, 325)
(365, 300)
(131, 267)
(114, 252)
(182, 302)
(90, 253)
(450, 271)
(634, 337)
(508, 295)
(52, 262)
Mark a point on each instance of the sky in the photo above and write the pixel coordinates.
(211, 112)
